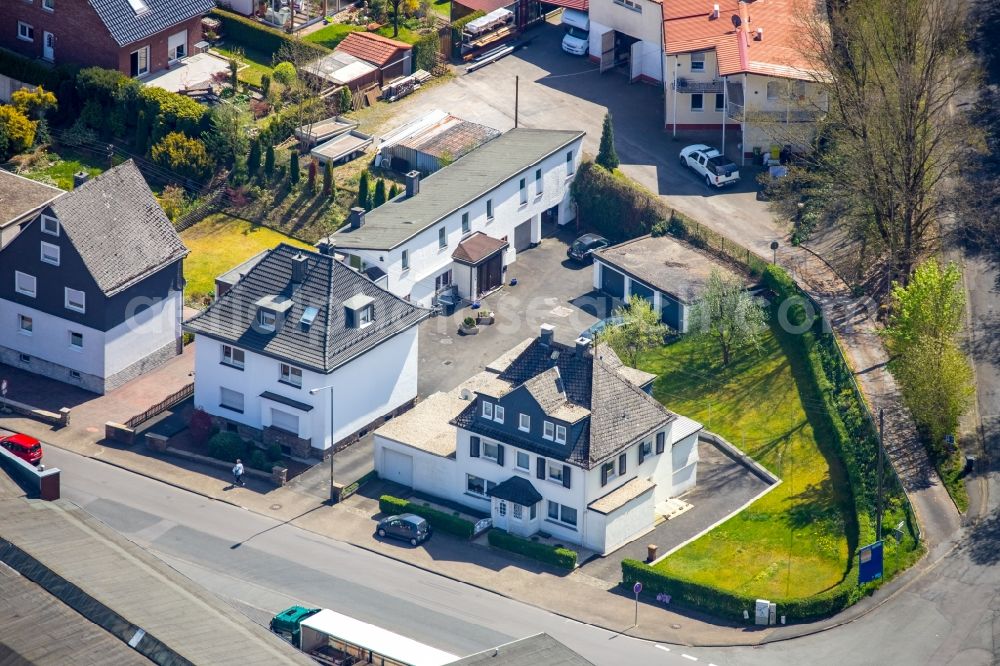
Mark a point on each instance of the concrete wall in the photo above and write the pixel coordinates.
(628, 522)
(685, 464)
(432, 474)
(646, 25)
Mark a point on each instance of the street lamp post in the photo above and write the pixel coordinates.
(314, 391)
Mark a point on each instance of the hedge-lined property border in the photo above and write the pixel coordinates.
(31, 71)
(439, 520)
(241, 30)
(564, 558)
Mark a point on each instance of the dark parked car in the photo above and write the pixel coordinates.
(25, 447)
(407, 527)
(583, 248)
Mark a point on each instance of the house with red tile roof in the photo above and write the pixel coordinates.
(393, 58)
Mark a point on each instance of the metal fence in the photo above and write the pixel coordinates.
(186, 392)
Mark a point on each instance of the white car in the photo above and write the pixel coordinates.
(714, 167)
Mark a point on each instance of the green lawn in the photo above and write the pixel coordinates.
(332, 34)
(442, 7)
(257, 64)
(793, 541)
(219, 243)
(405, 34)
(61, 165)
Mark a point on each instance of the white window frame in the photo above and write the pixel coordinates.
(443, 238)
(612, 467)
(21, 320)
(20, 277)
(267, 320)
(554, 472)
(25, 31)
(495, 457)
(289, 415)
(487, 486)
(647, 449)
(524, 422)
(233, 407)
(286, 375)
(629, 4)
(517, 461)
(405, 260)
(517, 511)
(49, 5)
(73, 346)
(139, 71)
(443, 280)
(487, 410)
(366, 315)
(570, 166)
(498, 414)
(46, 220)
(560, 434)
(82, 307)
(466, 225)
(490, 213)
(698, 65)
(229, 353)
(523, 187)
(50, 254)
(172, 55)
(548, 430)
(539, 183)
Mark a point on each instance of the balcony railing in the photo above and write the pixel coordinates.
(736, 112)
(688, 86)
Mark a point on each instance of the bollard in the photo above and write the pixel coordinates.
(651, 552)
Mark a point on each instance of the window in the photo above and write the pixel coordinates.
(230, 399)
(266, 319)
(139, 62)
(50, 225)
(553, 510)
(443, 280)
(76, 340)
(177, 45)
(491, 450)
(478, 486)
(698, 62)
(138, 6)
(442, 238)
(720, 102)
(522, 460)
(366, 315)
(50, 253)
(25, 324)
(406, 260)
(561, 434)
(630, 4)
(645, 450)
(697, 102)
(49, 5)
(489, 209)
(539, 182)
(518, 512)
(524, 423)
(466, 227)
(24, 358)
(533, 511)
(282, 420)
(25, 32)
(232, 356)
(502, 507)
(291, 375)
(555, 472)
(488, 409)
(562, 513)
(798, 88)
(74, 374)
(548, 430)
(76, 300)
(569, 163)
(774, 90)
(660, 442)
(498, 414)
(24, 283)
(523, 186)
(608, 472)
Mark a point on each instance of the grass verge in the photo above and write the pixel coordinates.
(950, 468)
(257, 64)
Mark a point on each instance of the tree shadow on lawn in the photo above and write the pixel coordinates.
(816, 505)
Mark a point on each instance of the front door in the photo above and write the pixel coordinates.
(500, 514)
(48, 46)
(490, 273)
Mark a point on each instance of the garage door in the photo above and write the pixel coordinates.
(397, 467)
(612, 282)
(642, 291)
(522, 236)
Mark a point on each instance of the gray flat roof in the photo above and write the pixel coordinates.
(453, 187)
(664, 263)
(20, 196)
(537, 650)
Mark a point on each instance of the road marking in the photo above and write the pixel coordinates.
(665, 649)
(687, 656)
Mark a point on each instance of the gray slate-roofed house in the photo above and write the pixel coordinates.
(555, 438)
(92, 287)
(136, 37)
(294, 324)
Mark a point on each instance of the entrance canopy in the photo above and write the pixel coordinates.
(518, 490)
(477, 248)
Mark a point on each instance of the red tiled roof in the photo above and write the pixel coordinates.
(373, 48)
(477, 247)
(688, 27)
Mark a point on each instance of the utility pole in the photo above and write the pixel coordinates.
(517, 88)
(881, 462)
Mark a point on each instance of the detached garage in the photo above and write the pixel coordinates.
(396, 467)
(417, 449)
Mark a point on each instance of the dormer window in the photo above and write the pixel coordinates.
(560, 434)
(498, 414)
(266, 320)
(548, 430)
(50, 225)
(359, 311)
(487, 410)
(269, 309)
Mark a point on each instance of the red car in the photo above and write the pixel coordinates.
(24, 447)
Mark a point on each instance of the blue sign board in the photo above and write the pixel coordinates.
(870, 563)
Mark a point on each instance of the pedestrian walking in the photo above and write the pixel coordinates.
(238, 474)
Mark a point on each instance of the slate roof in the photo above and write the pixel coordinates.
(20, 196)
(118, 228)
(126, 26)
(537, 650)
(328, 342)
(620, 412)
(477, 247)
(516, 489)
(372, 47)
(454, 187)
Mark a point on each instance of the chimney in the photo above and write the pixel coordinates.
(583, 346)
(325, 247)
(715, 12)
(357, 217)
(79, 178)
(546, 334)
(759, 35)
(300, 265)
(412, 183)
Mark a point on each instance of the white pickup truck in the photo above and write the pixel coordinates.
(714, 167)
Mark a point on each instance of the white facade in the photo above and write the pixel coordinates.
(364, 389)
(641, 20)
(428, 261)
(54, 343)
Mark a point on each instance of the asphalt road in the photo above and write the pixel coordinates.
(950, 616)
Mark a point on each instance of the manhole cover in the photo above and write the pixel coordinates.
(275, 507)
(446, 363)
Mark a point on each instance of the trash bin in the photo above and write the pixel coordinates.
(651, 552)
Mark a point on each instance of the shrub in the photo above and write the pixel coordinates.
(439, 520)
(33, 103)
(30, 71)
(200, 426)
(269, 161)
(294, 172)
(425, 51)
(251, 34)
(614, 205)
(100, 85)
(364, 191)
(173, 113)
(184, 156)
(258, 460)
(173, 200)
(226, 446)
(17, 132)
(284, 73)
(563, 558)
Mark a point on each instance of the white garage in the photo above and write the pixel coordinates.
(397, 467)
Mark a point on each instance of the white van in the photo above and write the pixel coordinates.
(577, 38)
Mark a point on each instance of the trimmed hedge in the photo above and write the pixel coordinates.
(563, 558)
(439, 520)
(31, 71)
(614, 205)
(425, 51)
(259, 37)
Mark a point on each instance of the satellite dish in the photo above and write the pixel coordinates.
(737, 22)
(466, 394)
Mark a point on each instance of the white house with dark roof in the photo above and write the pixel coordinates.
(460, 227)
(91, 289)
(304, 352)
(549, 438)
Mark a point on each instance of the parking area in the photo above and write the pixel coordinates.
(560, 91)
(724, 486)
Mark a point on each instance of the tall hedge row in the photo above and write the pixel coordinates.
(614, 205)
(31, 71)
(254, 35)
(564, 558)
(425, 51)
(439, 520)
